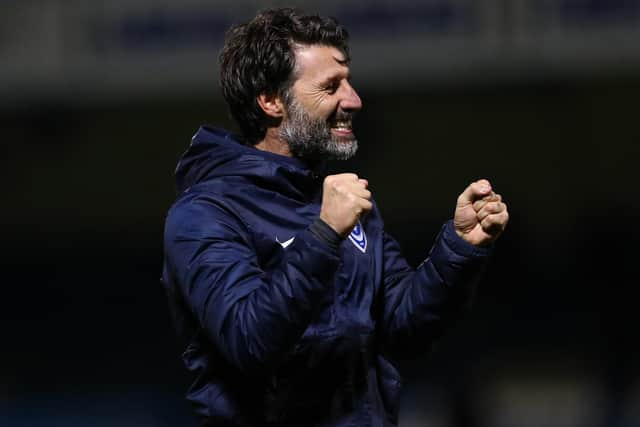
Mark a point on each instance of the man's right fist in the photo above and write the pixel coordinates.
(345, 199)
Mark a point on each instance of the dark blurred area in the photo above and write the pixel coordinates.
(97, 102)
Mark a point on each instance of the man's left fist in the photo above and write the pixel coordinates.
(480, 216)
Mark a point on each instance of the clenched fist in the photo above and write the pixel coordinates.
(345, 199)
(480, 215)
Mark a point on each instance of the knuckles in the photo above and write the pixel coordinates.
(493, 207)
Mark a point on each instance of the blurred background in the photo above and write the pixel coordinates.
(99, 99)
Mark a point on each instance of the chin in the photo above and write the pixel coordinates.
(342, 149)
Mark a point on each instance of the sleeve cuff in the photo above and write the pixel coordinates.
(323, 232)
(460, 246)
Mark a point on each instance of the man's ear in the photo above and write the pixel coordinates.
(272, 105)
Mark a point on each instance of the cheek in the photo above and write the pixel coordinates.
(320, 112)
(319, 105)
(327, 109)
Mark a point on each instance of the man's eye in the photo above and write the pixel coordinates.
(332, 88)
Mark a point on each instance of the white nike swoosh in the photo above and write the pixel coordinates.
(285, 243)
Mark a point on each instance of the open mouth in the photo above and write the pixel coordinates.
(342, 126)
(341, 123)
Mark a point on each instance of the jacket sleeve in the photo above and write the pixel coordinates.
(252, 316)
(419, 303)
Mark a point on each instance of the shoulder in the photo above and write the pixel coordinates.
(199, 212)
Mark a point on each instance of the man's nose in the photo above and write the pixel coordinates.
(350, 100)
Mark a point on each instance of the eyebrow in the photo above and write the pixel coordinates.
(335, 76)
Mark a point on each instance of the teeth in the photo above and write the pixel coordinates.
(343, 125)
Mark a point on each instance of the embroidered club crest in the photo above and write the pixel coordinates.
(358, 237)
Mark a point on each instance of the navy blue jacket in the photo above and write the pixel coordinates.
(279, 327)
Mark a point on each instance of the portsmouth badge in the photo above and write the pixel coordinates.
(358, 237)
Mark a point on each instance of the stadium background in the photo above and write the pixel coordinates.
(98, 100)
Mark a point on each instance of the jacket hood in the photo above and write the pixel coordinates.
(215, 153)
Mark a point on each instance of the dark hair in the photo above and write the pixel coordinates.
(258, 57)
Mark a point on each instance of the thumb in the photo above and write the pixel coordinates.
(476, 190)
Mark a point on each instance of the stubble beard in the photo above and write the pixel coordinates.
(311, 139)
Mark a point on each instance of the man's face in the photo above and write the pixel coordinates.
(320, 106)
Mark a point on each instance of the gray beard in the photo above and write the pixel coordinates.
(311, 139)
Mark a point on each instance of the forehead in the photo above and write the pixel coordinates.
(319, 62)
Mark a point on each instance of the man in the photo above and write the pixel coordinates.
(293, 301)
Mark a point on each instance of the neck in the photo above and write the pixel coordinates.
(273, 143)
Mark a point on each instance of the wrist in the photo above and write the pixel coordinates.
(325, 233)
